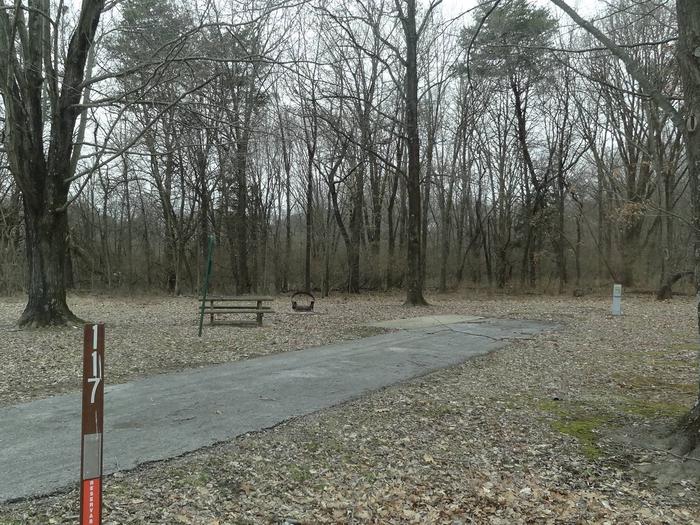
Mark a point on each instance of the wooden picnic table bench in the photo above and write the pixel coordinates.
(240, 304)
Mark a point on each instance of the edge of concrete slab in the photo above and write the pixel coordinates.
(426, 321)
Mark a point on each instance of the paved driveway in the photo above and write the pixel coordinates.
(167, 415)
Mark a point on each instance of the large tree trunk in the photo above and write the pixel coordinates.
(309, 218)
(354, 268)
(377, 187)
(287, 234)
(446, 205)
(560, 243)
(689, 59)
(327, 250)
(356, 233)
(425, 210)
(444, 247)
(535, 201)
(391, 230)
(46, 237)
(351, 240)
(287, 221)
(665, 291)
(414, 275)
(242, 229)
(603, 256)
(630, 252)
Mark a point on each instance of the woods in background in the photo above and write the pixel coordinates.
(362, 144)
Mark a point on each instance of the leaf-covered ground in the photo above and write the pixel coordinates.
(554, 429)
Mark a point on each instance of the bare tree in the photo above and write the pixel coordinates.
(413, 29)
(34, 94)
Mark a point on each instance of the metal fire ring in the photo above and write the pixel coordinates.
(303, 307)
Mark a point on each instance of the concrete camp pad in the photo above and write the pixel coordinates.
(167, 415)
(426, 321)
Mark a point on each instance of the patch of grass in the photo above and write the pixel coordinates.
(690, 389)
(675, 362)
(686, 347)
(637, 355)
(178, 477)
(372, 475)
(201, 477)
(647, 383)
(669, 358)
(9, 521)
(577, 421)
(553, 407)
(299, 474)
(637, 382)
(312, 446)
(584, 432)
(655, 409)
(181, 477)
(331, 446)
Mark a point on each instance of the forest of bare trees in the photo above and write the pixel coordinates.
(347, 145)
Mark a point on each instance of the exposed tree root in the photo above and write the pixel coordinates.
(55, 313)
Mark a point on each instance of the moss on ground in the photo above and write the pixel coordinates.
(584, 420)
(654, 409)
(685, 347)
(584, 431)
(672, 357)
(553, 407)
(658, 396)
(182, 477)
(578, 421)
(644, 383)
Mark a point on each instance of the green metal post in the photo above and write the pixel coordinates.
(205, 286)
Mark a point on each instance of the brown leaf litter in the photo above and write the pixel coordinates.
(529, 434)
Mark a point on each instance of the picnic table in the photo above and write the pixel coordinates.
(238, 304)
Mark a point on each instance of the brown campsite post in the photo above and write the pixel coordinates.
(92, 419)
